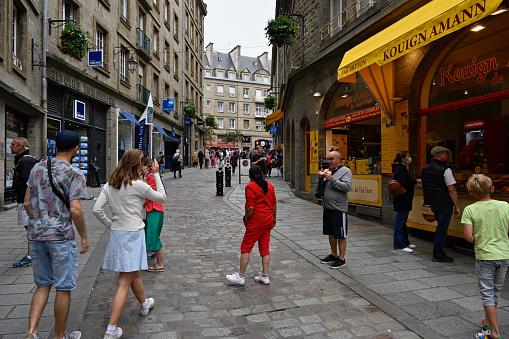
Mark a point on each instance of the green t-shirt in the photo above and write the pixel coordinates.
(490, 220)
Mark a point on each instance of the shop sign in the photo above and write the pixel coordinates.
(366, 190)
(353, 117)
(79, 86)
(11, 121)
(173, 130)
(478, 70)
(313, 152)
(79, 110)
(168, 105)
(473, 124)
(246, 139)
(274, 130)
(187, 122)
(95, 58)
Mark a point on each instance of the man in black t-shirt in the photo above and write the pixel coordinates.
(258, 159)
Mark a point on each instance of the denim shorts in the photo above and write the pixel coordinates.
(55, 262)
(491, 276)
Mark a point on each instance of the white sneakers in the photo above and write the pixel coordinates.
(235, 278)
(406, 250)
(116, 335)
(145, 310)
(261, 279)
(412, 246)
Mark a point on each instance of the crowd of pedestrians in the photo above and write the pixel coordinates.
(50, 192)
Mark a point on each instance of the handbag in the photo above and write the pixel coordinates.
(54, 188)
(320, 189)
(395, 188)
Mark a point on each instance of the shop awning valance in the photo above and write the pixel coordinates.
(170, 137)
(430, 22)
(277, 115)
(129, 117)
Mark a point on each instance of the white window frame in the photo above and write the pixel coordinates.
(207, 102)
(231, 123)
(220, 90)
(258, 78)
(155, 37)
(245, 77)
(208, 73)
(207, 87)
(123, 58)
(246, 109)
(99, 39)
(258, 93)
(166, 9)
(231, 91)
(266, 80)
(258, 125)
(258, 111)
(71, 14)
(219, 74)
(220, 106)
(231, 75)
(14, 31)
(220, 123)
(166, 51)
(231, 107)
(246, 93)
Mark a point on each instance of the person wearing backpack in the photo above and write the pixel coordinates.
(23, 162)
(177, 164)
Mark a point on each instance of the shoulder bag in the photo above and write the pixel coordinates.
(55, 189)
(395, 188)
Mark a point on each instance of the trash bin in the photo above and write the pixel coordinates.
(95, 181)
(228, 176)
(219, 182)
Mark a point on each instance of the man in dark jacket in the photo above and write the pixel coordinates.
(23, 163)
(440, 194)
(200, 158)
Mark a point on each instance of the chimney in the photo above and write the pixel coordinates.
(264, 61)
(235, 55)
(209, 51)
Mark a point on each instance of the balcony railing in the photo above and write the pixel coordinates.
(143, 94)
(143, 41)
(355, 9)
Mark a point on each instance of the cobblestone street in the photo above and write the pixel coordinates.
(381, 293)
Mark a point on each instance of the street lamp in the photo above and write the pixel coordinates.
(132, 64)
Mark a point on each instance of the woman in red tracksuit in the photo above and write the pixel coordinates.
(260, 219)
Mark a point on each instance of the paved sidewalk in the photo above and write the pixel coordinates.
(381, 293)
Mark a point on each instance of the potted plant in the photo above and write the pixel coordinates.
(190, 111)
(270, 102)
(281, 31)
(74, 40)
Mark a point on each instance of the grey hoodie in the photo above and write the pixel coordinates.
(335, 195)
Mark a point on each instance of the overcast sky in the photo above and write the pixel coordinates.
(238, 22)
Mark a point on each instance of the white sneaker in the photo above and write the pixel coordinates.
(235, 278)
(406, 250)
(262, 279)
(145, 310)
(116, 335)
(412, 246)
(72, 335)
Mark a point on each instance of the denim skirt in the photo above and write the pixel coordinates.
(126, 252)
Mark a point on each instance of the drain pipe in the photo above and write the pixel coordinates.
(44, 81)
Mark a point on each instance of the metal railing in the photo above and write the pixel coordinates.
(143, 41)
(143, 94)
(355, 9)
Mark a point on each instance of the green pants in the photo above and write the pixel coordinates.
(153, 227)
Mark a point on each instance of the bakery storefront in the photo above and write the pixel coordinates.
(459, 91)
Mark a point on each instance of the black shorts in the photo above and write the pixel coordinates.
(335, 223)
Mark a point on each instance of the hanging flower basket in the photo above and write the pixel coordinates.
(270, 102)
(190, 111)
(74, 40)
(281, 31)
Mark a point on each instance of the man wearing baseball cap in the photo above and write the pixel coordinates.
(50, 232)
(440, 194)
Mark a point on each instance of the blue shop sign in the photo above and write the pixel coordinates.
(274, 129)
(187, 122)
(168, 105)
(95, 58)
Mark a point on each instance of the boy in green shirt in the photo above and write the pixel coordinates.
(486, 224)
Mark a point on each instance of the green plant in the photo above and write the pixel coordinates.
(74, 40)
(210, 121)
(190, 111)
(233, 136)
(281, 31)
(270, 102)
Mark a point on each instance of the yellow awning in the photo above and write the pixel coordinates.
(277, 115)
(429, 23)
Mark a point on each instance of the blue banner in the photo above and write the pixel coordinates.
(140, 136)
(168, 105)
(95, 58)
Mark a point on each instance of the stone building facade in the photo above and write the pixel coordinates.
(235, 89)
(101, 103)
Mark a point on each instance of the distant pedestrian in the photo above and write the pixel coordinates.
(154, 220)
(486, 224)
(160, 159)
(23, 164)
(50, 232)
(440, 194)
(200, 158)
(335, 207)
(220, 163)
(213, 159)
(403, 203)
(234, 161)
(258, 159)
(259, 220)
(207, 159)
(126, 253)
(194, 159)
(176, 164)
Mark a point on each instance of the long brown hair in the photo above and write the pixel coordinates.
(128, 169)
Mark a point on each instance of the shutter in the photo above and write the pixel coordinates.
(100, 116)
(54, 102)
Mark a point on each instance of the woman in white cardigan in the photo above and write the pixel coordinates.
(125, 193)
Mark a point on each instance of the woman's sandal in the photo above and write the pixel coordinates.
(155, 269)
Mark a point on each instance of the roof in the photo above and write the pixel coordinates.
(223, 61)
